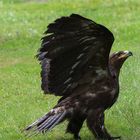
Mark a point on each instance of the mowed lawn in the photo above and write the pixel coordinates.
(21, 99)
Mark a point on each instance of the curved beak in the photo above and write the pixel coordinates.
(128, 53)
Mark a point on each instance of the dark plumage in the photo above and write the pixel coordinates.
(75, 62)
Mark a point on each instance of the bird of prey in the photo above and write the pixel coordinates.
(77, 65)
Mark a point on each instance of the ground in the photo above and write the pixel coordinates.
(21, 99)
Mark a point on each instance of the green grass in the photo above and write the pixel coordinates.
(21, 99)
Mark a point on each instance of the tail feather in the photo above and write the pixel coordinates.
(45, 123)
(57, 121)
(48, 123)
(37, 122)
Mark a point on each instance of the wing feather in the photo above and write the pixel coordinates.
(71, 46)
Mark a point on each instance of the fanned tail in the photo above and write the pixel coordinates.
(45, 123)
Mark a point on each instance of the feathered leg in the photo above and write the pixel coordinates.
(75, 125)
(95, 122)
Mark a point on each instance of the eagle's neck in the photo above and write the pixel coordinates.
(114, 71)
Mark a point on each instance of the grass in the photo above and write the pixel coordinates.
(21, 99)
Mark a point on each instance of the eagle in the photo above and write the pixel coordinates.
(76, 64)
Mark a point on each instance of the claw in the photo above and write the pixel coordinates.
(109, 138)
(113, 138)
(77, 137)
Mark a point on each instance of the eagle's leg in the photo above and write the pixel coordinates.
(95, 122)
(101, 121)
(75, 125)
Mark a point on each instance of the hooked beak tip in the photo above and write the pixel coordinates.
(128, 53)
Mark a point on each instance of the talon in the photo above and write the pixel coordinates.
(77, 137)
(113, 138)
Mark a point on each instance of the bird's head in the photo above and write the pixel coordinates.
(117, 59)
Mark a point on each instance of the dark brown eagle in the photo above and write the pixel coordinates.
(75, 63)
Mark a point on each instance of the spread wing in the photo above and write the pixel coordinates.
(70, 48)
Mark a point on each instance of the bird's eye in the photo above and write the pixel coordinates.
(119, 54)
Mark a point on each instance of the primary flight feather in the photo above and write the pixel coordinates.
(76, 65)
